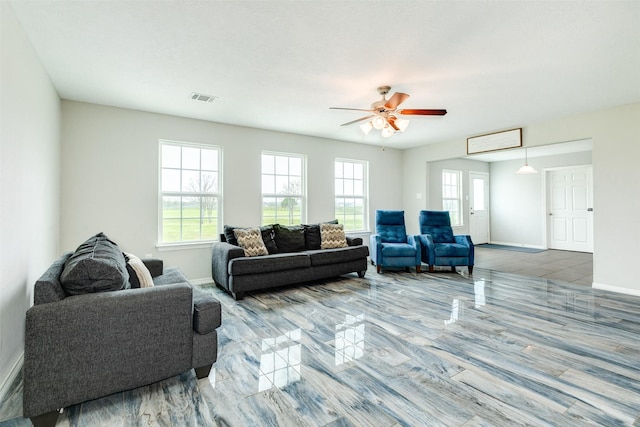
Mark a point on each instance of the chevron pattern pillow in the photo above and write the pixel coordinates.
(332, 236)
(250, 239)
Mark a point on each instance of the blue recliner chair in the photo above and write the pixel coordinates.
(439, 245)
(390, 247)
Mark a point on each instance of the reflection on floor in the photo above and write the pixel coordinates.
(573, 267)
(399, 348)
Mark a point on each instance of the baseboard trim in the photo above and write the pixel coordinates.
(5, 386)
(616, 289)
(518, 245)
(202, 281)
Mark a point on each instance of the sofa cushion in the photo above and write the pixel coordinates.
(451, 250)
(170, 276)
(97, 265)
(312, 235)
(398, 249)
(332, 236)
(139, 275)
(250, 239)
(442, 234)
(339, 255)
(207, 313)
(289, 238)
(269, 263)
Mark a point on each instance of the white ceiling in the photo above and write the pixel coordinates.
(280, 65)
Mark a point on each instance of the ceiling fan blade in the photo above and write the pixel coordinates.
(392, 122)
(350, 109)
(422, 112)
(397, 99)
(357, 120)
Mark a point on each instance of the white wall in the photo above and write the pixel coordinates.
(616, 148)
(517, 201)
(110, 176)
(29, 185)
(434, 184)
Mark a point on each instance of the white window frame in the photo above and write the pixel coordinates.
(452, 197)
(345, 188)
(278, 176)
(204, 242)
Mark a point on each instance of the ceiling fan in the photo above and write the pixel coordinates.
(384, 114)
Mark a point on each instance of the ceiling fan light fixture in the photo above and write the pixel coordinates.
(401, 124)
(366, 128)
(387, 131)
(379, 122)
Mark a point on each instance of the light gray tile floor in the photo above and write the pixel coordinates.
(573, 267)
(496, 348)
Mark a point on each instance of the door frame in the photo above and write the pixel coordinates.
(545, 199)
(487, 178)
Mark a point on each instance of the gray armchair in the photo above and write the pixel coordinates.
(83, 347)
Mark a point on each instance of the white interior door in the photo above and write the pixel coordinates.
(479, 207)
(570, 209)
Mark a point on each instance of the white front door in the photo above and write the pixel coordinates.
(479, 207)
(570, 209)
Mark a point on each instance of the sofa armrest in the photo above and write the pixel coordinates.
(207, 312)
(354, 241)
(221, 254)
(155, 266)
(88, 346)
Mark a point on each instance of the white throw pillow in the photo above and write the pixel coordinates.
(141, 270)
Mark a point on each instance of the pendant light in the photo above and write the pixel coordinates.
(526, 169)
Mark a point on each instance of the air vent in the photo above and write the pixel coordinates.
(202, 97)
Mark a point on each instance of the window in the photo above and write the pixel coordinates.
(351, 194)
(452, 195)
(283, 188)
(190, 192)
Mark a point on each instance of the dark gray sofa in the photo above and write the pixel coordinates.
(83, 347)
(238, 274)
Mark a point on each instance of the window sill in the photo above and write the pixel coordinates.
(184, 245)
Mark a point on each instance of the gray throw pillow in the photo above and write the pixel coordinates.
(290, 238)
(97, 265)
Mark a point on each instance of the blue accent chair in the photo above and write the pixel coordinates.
(391, 247)
(439, 245)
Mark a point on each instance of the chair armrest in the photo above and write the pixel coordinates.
(414, 240)
(466, 241)
(154, 265)
(428, 248)
(375, 248)
(221, 254)
(88, 346)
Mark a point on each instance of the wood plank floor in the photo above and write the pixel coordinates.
(405, 349)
